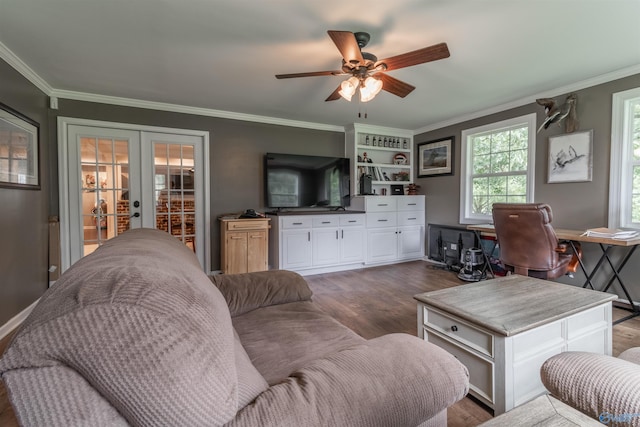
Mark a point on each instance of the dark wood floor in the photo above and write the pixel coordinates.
(379, 300)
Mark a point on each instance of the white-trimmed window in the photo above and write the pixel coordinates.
(498, 164)
(624, 171)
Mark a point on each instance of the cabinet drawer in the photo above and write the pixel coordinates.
(381, 219)
(481, 371)
(325, 221)
(381, 204)
(247, 224)
(410, 203)
(296, 222)
(460, 331)
(347, 220)
(411, 218)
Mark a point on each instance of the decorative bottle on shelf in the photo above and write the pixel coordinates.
(366, 140)
(374, 141)
(405, 144)
(386, 143)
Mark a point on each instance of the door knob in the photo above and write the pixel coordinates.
(136, 204)
(135, 215)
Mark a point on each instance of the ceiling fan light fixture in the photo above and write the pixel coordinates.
(370, 88)
(349, 87)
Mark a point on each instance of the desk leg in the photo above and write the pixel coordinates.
(582, 266)
(596, 268)
(487, 261)
(616, 276)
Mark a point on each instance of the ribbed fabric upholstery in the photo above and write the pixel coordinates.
(58, 396)
(132, 326)
(395, 380)
(136, 334)
(595, 384)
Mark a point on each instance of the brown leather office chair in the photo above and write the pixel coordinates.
(528, 244)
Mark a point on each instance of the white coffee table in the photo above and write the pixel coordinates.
(504, 329)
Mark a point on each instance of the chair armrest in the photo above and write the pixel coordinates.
(394, 380)
(248, 291)
(599, 386)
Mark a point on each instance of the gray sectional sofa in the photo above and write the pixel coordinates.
(137, 334)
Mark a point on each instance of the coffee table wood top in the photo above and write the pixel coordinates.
(513, 304)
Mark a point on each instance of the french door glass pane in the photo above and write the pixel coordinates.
(104, 190)
(174, 190)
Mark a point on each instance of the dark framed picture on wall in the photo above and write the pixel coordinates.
(19, 150)
(435, 158)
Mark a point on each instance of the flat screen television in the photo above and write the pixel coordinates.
(301, 181)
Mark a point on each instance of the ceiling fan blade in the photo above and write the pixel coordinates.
(395, 86)
(311, 74)
(346, 43)
(420, 56)
(335, 95)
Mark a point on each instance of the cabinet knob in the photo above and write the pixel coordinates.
(454, 328)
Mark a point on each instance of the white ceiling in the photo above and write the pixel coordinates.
(223, 54)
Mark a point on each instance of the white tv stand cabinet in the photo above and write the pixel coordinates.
(375, 230)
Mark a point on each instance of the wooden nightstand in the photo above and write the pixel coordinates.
(244, 245)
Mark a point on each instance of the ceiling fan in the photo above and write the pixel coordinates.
(366, 71)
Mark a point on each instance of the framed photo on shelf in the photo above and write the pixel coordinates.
(435, 158)
(570, 157)
(19, 150)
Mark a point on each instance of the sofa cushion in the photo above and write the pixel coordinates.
(135, 328)
(283, 338)
(249, 291)
(393, 380)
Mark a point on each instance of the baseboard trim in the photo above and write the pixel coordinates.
(16, 320)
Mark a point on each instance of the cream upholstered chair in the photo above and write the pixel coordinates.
(603, 387)
(528, 243)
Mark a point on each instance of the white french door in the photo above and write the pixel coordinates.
(114, 177)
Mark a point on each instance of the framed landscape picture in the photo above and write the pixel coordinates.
(19, 150)
(435, 158)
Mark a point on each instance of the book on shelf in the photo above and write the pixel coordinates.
(611, 233)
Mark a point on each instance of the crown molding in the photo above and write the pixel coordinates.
(12, 59)
(176, 108)
(604, 78)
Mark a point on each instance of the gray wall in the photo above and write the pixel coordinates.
(24, 213)
(236, 174)
(575, 205)
(236, 152)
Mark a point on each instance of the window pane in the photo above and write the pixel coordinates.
(481, 145)
(636, 131)
(517, 199)
(500, 162)
(498, 185)
(480, 186)
(496, 199)
(517, 185)
(635, 208)
(481, 164)
(518, 161)
(500, 142)
(519, 139)
(481, 205)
